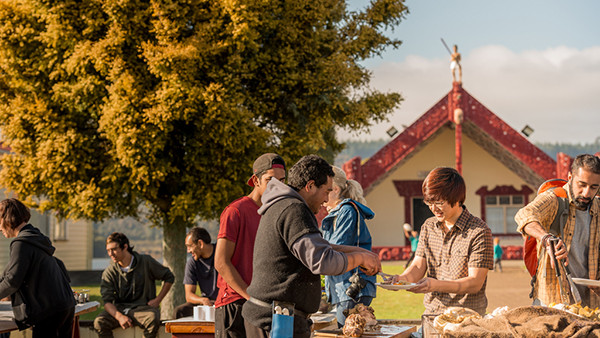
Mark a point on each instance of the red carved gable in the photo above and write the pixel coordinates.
(480, 124)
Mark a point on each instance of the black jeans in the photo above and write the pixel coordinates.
(59, 324)
(229, 322)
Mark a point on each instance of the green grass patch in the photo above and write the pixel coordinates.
(397, 304)
(94, 296)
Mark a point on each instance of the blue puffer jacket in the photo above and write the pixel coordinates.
(345, 233)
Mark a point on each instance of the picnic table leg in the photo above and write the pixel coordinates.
(76, 327)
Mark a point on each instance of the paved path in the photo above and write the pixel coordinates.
(510, 287)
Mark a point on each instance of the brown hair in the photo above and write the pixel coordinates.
(444, 184)
(586, 161)
(14, 213)
(120, 239)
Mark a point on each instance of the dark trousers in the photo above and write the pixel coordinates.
(59, 324)
(146, 317)
(229, 322)
(184, 310)
(254, 332)
(498, 264)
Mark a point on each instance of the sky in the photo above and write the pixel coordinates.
(531, 62)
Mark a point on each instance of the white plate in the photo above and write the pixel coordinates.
(396, 287)
(586, 282)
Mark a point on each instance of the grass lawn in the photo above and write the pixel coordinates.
(388, 304)
(94, 296)
(397, 304)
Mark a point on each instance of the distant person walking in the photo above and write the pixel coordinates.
(413, 238)
(497, 254)
(36, 281)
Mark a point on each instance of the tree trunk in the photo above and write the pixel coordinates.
(174, 255)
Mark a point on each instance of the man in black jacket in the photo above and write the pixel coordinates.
(36, 281)
(290, 252)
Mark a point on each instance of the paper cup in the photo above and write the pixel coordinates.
(198, 312)
(209, 313)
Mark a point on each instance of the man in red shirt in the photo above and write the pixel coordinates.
(235, 247)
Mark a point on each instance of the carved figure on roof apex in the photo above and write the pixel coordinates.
(454, 64)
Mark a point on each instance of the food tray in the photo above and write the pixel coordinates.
(428, 329)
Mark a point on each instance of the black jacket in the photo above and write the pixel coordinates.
(36, 281)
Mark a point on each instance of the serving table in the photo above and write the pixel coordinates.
(388, 329)
(7, 318)
(188, 327)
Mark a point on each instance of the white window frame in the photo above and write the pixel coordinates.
(514, 201)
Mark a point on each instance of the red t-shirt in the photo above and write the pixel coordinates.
(239, 223)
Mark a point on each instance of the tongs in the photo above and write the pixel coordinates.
(574, 292)
(387, 278)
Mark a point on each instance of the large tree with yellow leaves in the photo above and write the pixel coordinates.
(109, 105)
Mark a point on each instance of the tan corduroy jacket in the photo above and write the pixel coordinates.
(543, 210)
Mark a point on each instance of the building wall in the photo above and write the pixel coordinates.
(75, 251)
(479, 169)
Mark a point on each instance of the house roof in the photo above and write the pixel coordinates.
(481, 125)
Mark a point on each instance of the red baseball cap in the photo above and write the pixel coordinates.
(265, 162)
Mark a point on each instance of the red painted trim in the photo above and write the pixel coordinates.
(409, 189)
(402, 253)
(458, 147)
(409, 141)
(507, 137)
(403, 145)
(563, 165)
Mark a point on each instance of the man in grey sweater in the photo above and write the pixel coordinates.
(290, 253)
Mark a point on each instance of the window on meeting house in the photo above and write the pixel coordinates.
(500, 212)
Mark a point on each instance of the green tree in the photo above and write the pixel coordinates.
(109, 105)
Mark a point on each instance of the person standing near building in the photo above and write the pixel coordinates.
(290, 253)
(36, 281)
(128, 289)
(455, 249)
(235, 247)
(413, 238)
(345, 225)
(497, 254)
(199, 270)
(579, 241)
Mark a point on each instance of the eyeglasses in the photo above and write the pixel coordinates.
(437, 204)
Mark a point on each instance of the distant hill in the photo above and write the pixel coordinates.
(364, 149)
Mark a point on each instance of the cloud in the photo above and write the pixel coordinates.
(556, 91)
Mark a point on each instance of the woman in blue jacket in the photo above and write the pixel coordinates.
(345, 225)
